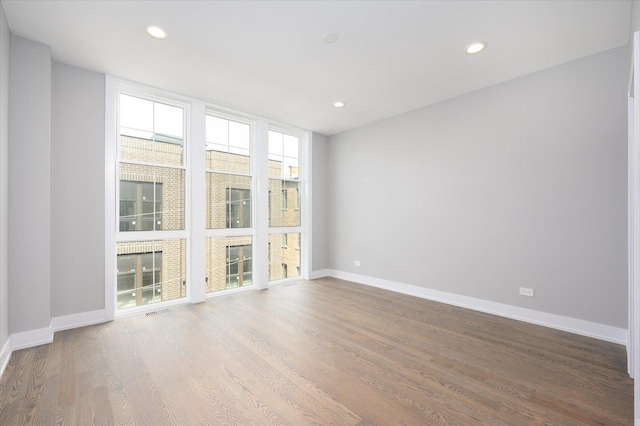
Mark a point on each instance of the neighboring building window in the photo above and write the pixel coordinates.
(239, 265)
(239, 211)
(140, 206)
(229, 262)
(284, 270)
(139, 279)
(284, 199)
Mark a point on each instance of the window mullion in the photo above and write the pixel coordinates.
(197, 290)
(261, 213)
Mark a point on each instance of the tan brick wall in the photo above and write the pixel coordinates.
(280, 254)
(217, 184)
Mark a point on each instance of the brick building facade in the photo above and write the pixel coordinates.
(153, 198)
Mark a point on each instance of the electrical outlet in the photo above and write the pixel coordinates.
(526, 291)
(356, 263)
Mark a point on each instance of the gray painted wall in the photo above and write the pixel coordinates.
(319, 249)
(635, 18)
(5, 50)
(29, 183)
(77, 190)
(522, 184)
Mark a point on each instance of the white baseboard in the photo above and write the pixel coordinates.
(42, 336)
(314, 275)
(78, 320)
(5, 355)
(31, 338)
(572, 325)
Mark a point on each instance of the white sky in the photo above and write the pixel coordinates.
(143, 118)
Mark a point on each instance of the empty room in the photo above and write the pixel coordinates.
(319, 212)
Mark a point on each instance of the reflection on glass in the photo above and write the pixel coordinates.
(150, 272)
(228, 262)
(284, 256)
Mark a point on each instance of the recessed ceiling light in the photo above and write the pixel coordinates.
(475, 47)
(156, 32)
(330, 37)
(338, 104)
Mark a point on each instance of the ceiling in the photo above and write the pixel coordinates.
(268, 58)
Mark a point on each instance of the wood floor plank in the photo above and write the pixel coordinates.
(317, 353)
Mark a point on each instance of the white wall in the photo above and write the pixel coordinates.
(522, 184)
(29, 183)
(5, 48)
(77, 190)
(319, 232)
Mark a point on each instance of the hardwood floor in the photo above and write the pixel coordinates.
(321, 352)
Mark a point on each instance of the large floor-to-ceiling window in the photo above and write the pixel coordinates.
(201, 201)
(229, 187)
(151, 172)
(284, 205)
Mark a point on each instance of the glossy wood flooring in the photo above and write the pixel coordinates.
(321, 352)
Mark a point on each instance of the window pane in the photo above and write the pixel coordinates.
(283, 155)
(228, 201)
(217, 130)
(290, 146)
(150, 132)
(239, 213)
(228, 262)
(168, 121)
(136, 116)
(227, 145)
(275, 144)
(150, 272)
(239, 162)
(284, 203)
(239, 136)
(284, 256)
(151, 198)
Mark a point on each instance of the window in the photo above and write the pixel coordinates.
(150, 272)
(228, 159)
(140, 206)
(139, 279)
(239, 264)
(229, 262)
(151, 200)
(284, 178)
(239, 211)
(285, 227)
(229, 183)
(164, 194)
(284, 256)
